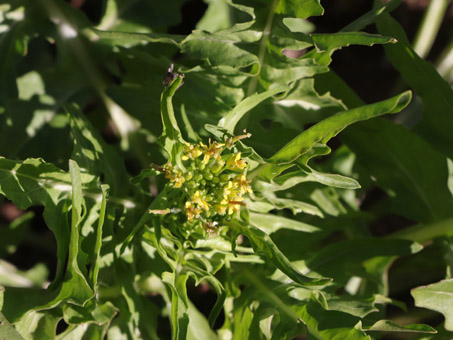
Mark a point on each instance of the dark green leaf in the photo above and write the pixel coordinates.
(418, 173)
(344, 259)
(435, 93)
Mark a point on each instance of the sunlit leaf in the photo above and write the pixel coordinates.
(437, 296)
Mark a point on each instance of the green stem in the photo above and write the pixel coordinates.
(425, 232)
(430, 26)
(97, 248)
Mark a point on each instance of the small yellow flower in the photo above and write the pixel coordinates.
(236, 163)
(220, 209)
(177, 179)
(191, 211)
(212, 151)
(200, 201)
(191, 151)
(233, 208)
(227, 190)
(243, 183)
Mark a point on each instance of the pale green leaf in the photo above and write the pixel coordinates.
(38, 325)
(271, 223)
(198, 325)
(389, 326)
(230, 121)
(7, 331)
(437, 296)
(294, 178)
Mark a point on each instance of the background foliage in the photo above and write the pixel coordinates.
(343, 237)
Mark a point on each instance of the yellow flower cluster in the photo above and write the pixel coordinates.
(214, 181)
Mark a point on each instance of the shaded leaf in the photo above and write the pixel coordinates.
(413, 178)
(344, 259)
(436, 94)
(263, 244)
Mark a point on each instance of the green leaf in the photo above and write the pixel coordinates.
(74, 276)
(7, 331)
(94, 155)
(436, 94)
(371, 16)
(354, 305)
(263, 244)
(300, 9)
(344, 259)
(35, 182)
(270, 202)
(220, 51)
(201, 275)
(171, 134)
(99, 231)
(418, 174)
(330, 325)
(272, 223)
(330, 127)
(230, 121)
(216, 17)
(326, 44)
(39, 325)
(126, 37)
(198, 325)
(294, 178)
(325, 130)
(437, 296)
(179, 304)
(389, 326)
(91, 312)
